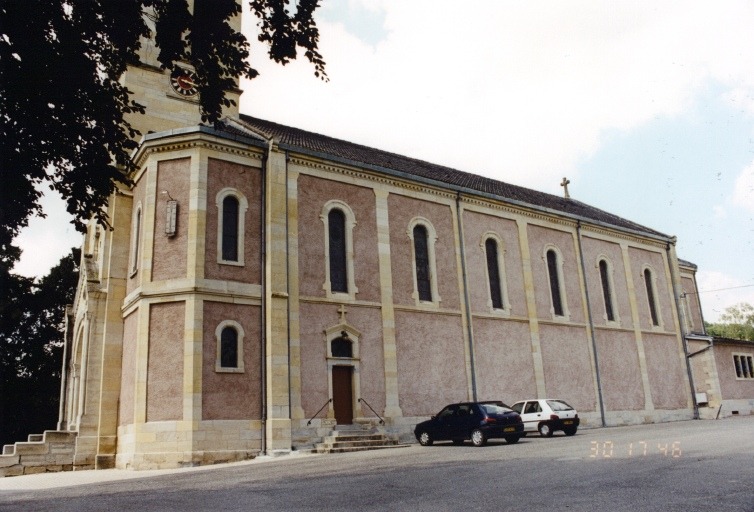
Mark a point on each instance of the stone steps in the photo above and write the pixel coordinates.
(42, 453)
(353, 438)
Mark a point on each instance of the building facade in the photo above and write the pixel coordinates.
(262, 283)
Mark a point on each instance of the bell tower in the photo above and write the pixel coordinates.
(170, 96)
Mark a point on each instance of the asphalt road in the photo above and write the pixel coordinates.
(689, 466)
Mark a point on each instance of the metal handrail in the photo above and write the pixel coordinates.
(317, 413)
(382, 422)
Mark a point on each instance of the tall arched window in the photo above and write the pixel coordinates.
(493, 273)
(649, 283)
(336, 222)
(229, 348)
(230, 229)
(607, 294)
(421, 255)
(231, 212)
(555, 285)
(136, 240)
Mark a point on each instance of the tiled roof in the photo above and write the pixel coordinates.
(336, 149)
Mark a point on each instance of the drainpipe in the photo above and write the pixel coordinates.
(675, 280)
(263, 268)
(288, 283)
(466, 298)
(591, 325)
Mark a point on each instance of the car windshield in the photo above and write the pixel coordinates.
(494, 409)
(559, 405)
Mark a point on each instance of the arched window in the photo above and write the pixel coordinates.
(649, 283)
(421, 255)
(339, 222)
(136, 240)
(607, 294)
(555, 284)
(493, 273)
(229, 336)
(229, 348)
(336, 222)
(230, 229)
(231, 212)
(342, 346)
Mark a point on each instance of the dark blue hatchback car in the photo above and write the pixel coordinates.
(478, 421)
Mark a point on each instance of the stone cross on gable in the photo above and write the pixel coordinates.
(342, 311)
(564, 184)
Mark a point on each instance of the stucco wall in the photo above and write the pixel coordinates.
(169, 257)
(128, 370)
(568, 370)
(667, 372)
(594, 251)
(165, 362)
(232, 396)
(315, 319)
(402, 210)
(475, 227)
(431, 362)
(247, 180)
(620, 373)
(639, 260)
(693, 308)
(732, 388)
(540, 238)
(503, 360)
(313, 194)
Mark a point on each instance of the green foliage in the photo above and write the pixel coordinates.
(737, 323)
(62, 111)
(32, 331)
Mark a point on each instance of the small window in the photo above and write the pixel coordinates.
(229, 336)
(421, 253)
(555, 286)
(229, 348)
(607, 294)
(336, 221)
(649, 283)
(493, 273)
(744, 364)
(342, 346)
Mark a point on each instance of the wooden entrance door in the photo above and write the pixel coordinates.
(342, 394)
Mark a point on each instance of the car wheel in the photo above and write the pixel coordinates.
(545, 430)
(425, 439)
(457, 441)
(478, 437)
(570, 431)
(512, 439)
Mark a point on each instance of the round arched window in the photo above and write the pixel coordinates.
(342, 346)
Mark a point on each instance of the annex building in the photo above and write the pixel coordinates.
(263, 283)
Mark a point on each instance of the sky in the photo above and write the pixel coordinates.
(646, 106)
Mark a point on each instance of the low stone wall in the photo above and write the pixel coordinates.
(52, 451)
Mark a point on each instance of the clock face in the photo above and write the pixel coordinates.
(183, 81)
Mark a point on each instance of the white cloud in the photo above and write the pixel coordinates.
(718, 291)
(719, 212)
(743, 193)
(520, 91)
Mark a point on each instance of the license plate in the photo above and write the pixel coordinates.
(509, 429)
(567, 422)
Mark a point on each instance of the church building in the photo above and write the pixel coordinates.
(262, 284)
